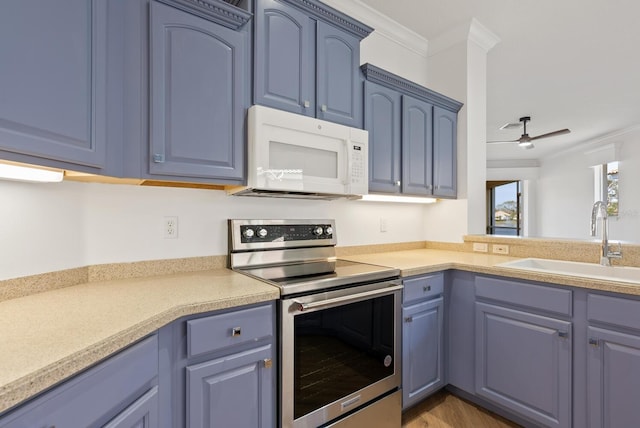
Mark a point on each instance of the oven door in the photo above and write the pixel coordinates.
(339, 350)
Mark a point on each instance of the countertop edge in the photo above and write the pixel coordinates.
(27, 387)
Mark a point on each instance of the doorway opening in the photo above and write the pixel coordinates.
(504, 208)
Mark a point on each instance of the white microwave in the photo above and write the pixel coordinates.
(290, 155)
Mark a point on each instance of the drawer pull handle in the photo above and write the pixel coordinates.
(594, 342)
(426, 288)
(563, 334)
(268, 363)
(236, 331)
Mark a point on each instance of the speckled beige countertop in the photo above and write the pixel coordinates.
(417, 262)
(47, 337)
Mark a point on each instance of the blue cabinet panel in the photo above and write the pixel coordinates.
(284, 48)
(445, 140)
(232, 391)
(339, 85)
(613, 378)
(417, 147)
(53, 80)
(197, 109)
(422, 352)
(96, 396)
(141, 414)
(523, 363)
(382, 111)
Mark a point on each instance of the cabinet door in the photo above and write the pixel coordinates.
(284, 75)
(382, 119)
(523, 363)
(612, 379)
(141, 414)
(339, 85)
(417, 147)
(233, 391)
(53, 80)
(197, 108)
(422, 347)
(445, 141)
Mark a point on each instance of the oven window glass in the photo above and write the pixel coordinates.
(341, 350)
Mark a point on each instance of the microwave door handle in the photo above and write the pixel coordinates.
(346, 299)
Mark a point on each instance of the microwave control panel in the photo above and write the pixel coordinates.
(359, 168)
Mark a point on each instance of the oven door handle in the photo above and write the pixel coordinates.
(346, 299)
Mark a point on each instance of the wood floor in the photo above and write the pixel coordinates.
(443, 410)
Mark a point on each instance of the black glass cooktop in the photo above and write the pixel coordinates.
(319, 275)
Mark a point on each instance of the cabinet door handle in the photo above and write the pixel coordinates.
(563, 334)
(408, 319)
(594, 342)
(306, 104)
(158, 158)
(426, 288)
(323, 107)
(398, 183)
(236, 331)
(268, 363)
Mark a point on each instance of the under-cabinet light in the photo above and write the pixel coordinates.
(394, 198)
(25, 173)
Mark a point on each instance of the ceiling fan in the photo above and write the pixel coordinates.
(525, 141)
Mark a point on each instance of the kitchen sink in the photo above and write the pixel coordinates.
(585, 270)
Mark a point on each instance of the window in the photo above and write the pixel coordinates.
(504, 208)
(606, 186)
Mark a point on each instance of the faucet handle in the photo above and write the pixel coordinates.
(615, 254)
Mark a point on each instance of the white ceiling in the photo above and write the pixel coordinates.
(566, 63)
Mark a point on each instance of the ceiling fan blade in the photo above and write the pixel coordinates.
(500, 142)
(551, 134)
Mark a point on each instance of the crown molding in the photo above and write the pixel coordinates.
(217, 11)
(383, 25)
(325, 12)
(472, 31)
(393, 81)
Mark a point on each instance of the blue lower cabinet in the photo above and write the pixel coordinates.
(523, 363)
(232, 391)
(422, 350)
(119, 392)
(141, 414)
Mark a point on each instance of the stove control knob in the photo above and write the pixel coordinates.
(262, 233)
(329, 230)
(318, 230)
(248, 233)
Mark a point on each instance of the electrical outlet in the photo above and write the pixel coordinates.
(171, 227)
(383, 224)
(500, 249)
(481, 247)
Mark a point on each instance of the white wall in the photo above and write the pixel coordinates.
(48, 227)
(565, 191)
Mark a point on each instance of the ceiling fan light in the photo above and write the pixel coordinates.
(526, 145)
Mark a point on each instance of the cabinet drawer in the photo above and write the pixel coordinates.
(423, 287)
(620, 311)
(543, 298)
(229, 329)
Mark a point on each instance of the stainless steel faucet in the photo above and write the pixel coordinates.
(600, 208)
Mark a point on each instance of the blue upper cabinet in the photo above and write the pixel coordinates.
(306, 60)
(53, 82)
(339, 85)
(382, 120)
(198, 92)
(417, 147)
(444, 152)
(424, 137)
(284, 58)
